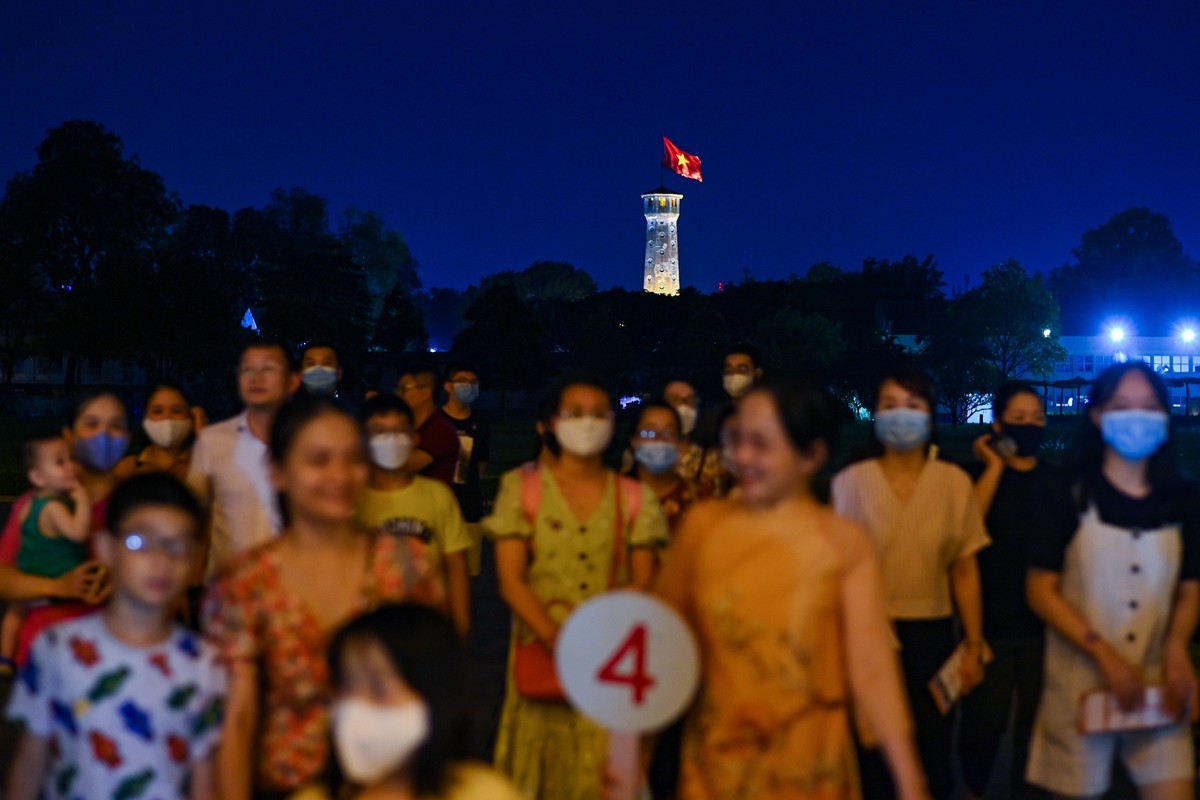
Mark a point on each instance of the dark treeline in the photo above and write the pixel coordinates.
(99, 260)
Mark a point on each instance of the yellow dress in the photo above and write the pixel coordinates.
(550, 751)
(767, 600)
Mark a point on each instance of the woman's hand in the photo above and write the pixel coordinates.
(1123, 678)
(983, 450)
(1179, 679)
(89, 582)
(970, 667)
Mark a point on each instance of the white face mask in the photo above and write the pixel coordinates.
(687, 418)
(374, 741)
(736, 384)
(390, 451)
(167, 433)
(584, 436)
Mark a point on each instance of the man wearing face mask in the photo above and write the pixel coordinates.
(742, 368)
(402, 503)
(475, 444)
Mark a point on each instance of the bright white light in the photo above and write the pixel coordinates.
(1188, 335)
(629, 400)
(1116, 334)
(1046, 332)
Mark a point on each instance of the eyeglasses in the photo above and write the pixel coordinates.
(464, 382)
(657, 436)
(408, 387)
(175, 548)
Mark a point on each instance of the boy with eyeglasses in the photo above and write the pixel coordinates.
(125, 702)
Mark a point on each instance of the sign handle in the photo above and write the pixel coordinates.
(622, 769)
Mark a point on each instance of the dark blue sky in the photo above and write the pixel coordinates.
(493, 134)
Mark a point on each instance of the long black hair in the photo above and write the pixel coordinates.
(426, 651)
(1162, 470)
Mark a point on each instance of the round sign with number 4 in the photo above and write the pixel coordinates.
(628, 661)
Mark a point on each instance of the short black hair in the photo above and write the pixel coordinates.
(421, 369)
(1005, 392)
(166, 383)
(314, 344)
(385, 403)
(746, 349)
(152, 489)
(271, 344)
(426, 651)
(459, 366)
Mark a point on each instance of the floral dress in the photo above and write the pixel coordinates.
(548, 749)
(251, 618)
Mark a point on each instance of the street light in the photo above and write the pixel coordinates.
(1188, 335)
(1116, 334)
(1046, 332)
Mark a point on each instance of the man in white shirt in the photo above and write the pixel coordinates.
(230, 463)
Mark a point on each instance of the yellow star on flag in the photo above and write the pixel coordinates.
(683, 160)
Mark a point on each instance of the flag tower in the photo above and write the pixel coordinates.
(661, 208)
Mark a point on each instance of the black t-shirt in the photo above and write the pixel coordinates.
(1006, 614)
(475, 445)
(1060, 513)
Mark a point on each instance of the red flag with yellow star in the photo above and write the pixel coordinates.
(685, 164)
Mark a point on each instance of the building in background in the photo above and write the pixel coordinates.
(661, 267)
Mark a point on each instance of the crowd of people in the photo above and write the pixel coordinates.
(276, 605)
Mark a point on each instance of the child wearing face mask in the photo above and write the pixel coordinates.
(1114, 572)
(567, 528)
(403, 503)
(401, 711)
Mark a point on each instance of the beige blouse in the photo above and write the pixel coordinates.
(916, 541)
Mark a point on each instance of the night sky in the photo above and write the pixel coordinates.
(494, 134)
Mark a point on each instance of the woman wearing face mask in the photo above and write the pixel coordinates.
(1009, 481)
(785, 600)
(272, 611)
(656, 443)
(171, 424)
(98, 436)
(924, 522)
(401, 710)
(566, 529)
(1115, 575)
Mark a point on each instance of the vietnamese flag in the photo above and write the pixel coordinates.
(685, 164)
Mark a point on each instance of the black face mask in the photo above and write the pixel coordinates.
(1028, 438)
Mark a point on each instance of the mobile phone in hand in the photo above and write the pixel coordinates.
(1004, 446)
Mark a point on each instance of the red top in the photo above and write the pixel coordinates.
(439, 438)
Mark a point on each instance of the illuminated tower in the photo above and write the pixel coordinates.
(661, 208)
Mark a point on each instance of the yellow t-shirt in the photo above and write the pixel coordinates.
(426, 509)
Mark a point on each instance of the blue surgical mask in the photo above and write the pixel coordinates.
(902, 429)
(1135, 433)
(657, 457)
(466, 393)
(102, 451)
(319, 380)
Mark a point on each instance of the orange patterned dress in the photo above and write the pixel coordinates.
(250, 617)
(771, 596)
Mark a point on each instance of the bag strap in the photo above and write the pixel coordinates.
(531, 490)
